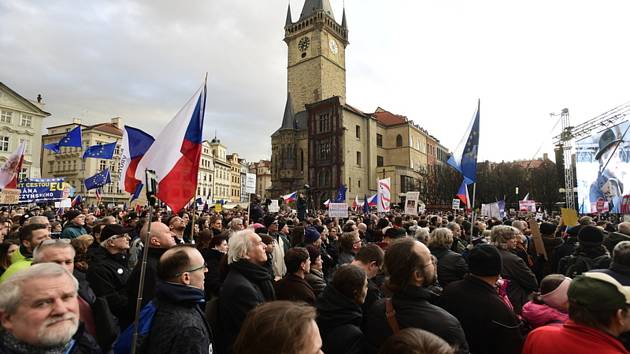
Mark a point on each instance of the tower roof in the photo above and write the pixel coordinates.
(344, 23)
(312, 6)
(289, 19)
(289, 117)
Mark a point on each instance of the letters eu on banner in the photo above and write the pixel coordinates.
(42, 189)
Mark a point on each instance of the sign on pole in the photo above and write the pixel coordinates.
(250, 183)
(569, 216)
(339, 210)
(527, 205)
(411, 203)
(456, 203)
(10, 196)
(384, 195)
(40, 189)
(274, 207)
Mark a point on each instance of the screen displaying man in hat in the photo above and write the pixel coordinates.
(608, 186)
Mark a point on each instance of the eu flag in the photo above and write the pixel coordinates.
(73, 138)
(101, 151)
(341, 194)
(98, 180)
(464, 158)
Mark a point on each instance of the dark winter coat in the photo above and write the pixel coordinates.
(150, 280)
(413, 310)
(522, 281)
(83, 344)
(612, 239)
(108, 275)
(179, 325)
(316, 280)
(565, 249)
(339, 319)
(294, 288)
(212, 282)
(620, 272)
(451, 265)
(241, 292)
(490, 326)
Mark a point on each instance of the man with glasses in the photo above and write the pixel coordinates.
(108, 272)
(30, 237)
(349, 246)
(179, 325)
(73, 227)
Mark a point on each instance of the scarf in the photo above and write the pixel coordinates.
(8, 341)
(257, 275)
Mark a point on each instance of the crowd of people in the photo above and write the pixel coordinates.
(233, 282)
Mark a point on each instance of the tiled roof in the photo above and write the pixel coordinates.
(388, 118)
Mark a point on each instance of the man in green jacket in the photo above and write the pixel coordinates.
(74, 226)
(31, 236)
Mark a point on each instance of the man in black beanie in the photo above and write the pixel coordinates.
(490, 325)
(589, 253)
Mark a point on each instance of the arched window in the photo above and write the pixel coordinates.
(301, 160)
(398, 140)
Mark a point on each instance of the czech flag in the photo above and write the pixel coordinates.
(290, 197)
(462, 194)
(175, 154)
(135, 144)
(372, 201)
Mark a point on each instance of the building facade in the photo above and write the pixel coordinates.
(21, 120)
(205, 177)
(71, 165)
(222, 171)
(323, 142)
(262, 170)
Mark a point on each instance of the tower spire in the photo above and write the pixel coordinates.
(344, 24)
(289, 20)
(288, 120)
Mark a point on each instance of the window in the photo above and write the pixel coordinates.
(359, 183)
(6, 116)
(379, 140)
(379, 161)
(406, 184)
(24, 173)
(323, 150)
(4, 143)
(410, 140)
(349, 184)
(358, 132)
(399, 140)
(26, 120)
(27, 145)
(102, 165)
(359, 158)
(324, 123)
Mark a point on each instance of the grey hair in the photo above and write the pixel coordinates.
(441, 237)
(519, 224)
(422, 235)
(624, 228)
(451, 225)
(621, 253)
(501, 234)
(11, 289)
(37, 253)
(238, 245)
(37, 219)
(236, 221)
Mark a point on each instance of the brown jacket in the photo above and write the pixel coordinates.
(294, 288)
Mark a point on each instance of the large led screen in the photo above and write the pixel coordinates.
(603, 169)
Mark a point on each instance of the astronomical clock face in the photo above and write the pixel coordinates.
(333, 46)
(304, 43)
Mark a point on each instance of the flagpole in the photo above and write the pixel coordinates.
(192, 226)
(472, 221)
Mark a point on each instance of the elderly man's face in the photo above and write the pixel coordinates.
(62, 256)
(48, 314)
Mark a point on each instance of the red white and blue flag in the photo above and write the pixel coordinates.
(462, 194)
(175, 154)
(134, 145)
(291, 197)
(372, 201)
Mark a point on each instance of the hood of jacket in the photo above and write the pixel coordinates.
(541, 314)
(179, 293)
(335, 309)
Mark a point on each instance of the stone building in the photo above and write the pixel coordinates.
(262, 170)
(205, 177)
(71, 165)
(323, 142)
(21, 120)
(222, 171)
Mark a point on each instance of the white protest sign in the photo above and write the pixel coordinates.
(274, 207)
(338, 210)
(527, 205)
(456, 203)
(250, 183)
(411, 203)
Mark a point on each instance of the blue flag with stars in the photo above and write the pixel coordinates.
(98, 180)
(464, 158)
(72, 139)
(341, 194)
(101, 151)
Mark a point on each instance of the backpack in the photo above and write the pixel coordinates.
(576, 265)
(124, 341)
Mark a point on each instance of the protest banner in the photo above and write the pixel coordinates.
(527, 205)
(411, 203)
(10, 196)
(274, 207)
(384, 195)
(43, 189)
(338, 210)
(456, 204)
(569, 216)
(538, 242)
(250, 183)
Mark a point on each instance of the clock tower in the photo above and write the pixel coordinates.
(317, 54)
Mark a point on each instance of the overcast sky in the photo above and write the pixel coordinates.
(427, 60)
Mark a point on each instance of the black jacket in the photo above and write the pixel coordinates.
(237, 297)
(522, 281)
(620, 272)
(179, 325)
(83, 344)
(150, 280)
(108, 275)
(413, 310)
(490, 326)
(451, 265)
(339, 319)
(565, 249)
(212, 282)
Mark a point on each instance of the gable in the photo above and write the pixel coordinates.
(14, 101)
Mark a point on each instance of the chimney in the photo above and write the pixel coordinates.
(76, 120)
(118, 122)
(39, 98)
(545, 156)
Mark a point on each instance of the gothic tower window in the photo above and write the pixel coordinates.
(399, 141)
